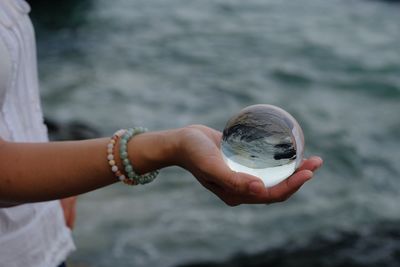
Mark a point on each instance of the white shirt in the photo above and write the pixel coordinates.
(31, 235)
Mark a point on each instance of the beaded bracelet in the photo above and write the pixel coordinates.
(123, 151)
(111, 158)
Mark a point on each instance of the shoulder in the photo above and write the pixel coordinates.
(11, 11)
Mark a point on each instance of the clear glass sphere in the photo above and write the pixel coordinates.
(264, 141)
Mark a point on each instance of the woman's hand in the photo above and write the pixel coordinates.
(199, 153)
(69, 208)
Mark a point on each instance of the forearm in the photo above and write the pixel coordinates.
(44, 171)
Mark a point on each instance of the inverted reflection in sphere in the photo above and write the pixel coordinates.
(264, 141)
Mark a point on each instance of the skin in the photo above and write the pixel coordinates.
(34, 172)
(69, 208)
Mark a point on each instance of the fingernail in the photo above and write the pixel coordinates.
(311, 174)
(319, 164)
(256, 187)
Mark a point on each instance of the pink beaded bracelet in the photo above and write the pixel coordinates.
(111, 158)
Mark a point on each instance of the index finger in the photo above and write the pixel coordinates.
(311, 164)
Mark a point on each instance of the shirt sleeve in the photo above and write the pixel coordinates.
(5, 70)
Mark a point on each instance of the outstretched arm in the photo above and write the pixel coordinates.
(33, 172)
(45, 171)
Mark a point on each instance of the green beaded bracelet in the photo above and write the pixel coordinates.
(128, 167)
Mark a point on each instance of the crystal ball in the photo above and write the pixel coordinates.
(264, 141)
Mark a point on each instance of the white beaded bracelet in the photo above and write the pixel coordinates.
(111, 158)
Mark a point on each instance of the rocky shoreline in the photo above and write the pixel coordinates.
(372, 246)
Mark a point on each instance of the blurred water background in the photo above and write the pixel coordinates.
(335, 65)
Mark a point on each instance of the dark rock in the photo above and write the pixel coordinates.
(55, 15)
(72, 130)
(376, 246)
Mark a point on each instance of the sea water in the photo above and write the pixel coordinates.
(165, 64)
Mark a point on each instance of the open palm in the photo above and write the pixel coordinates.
(201, 156)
